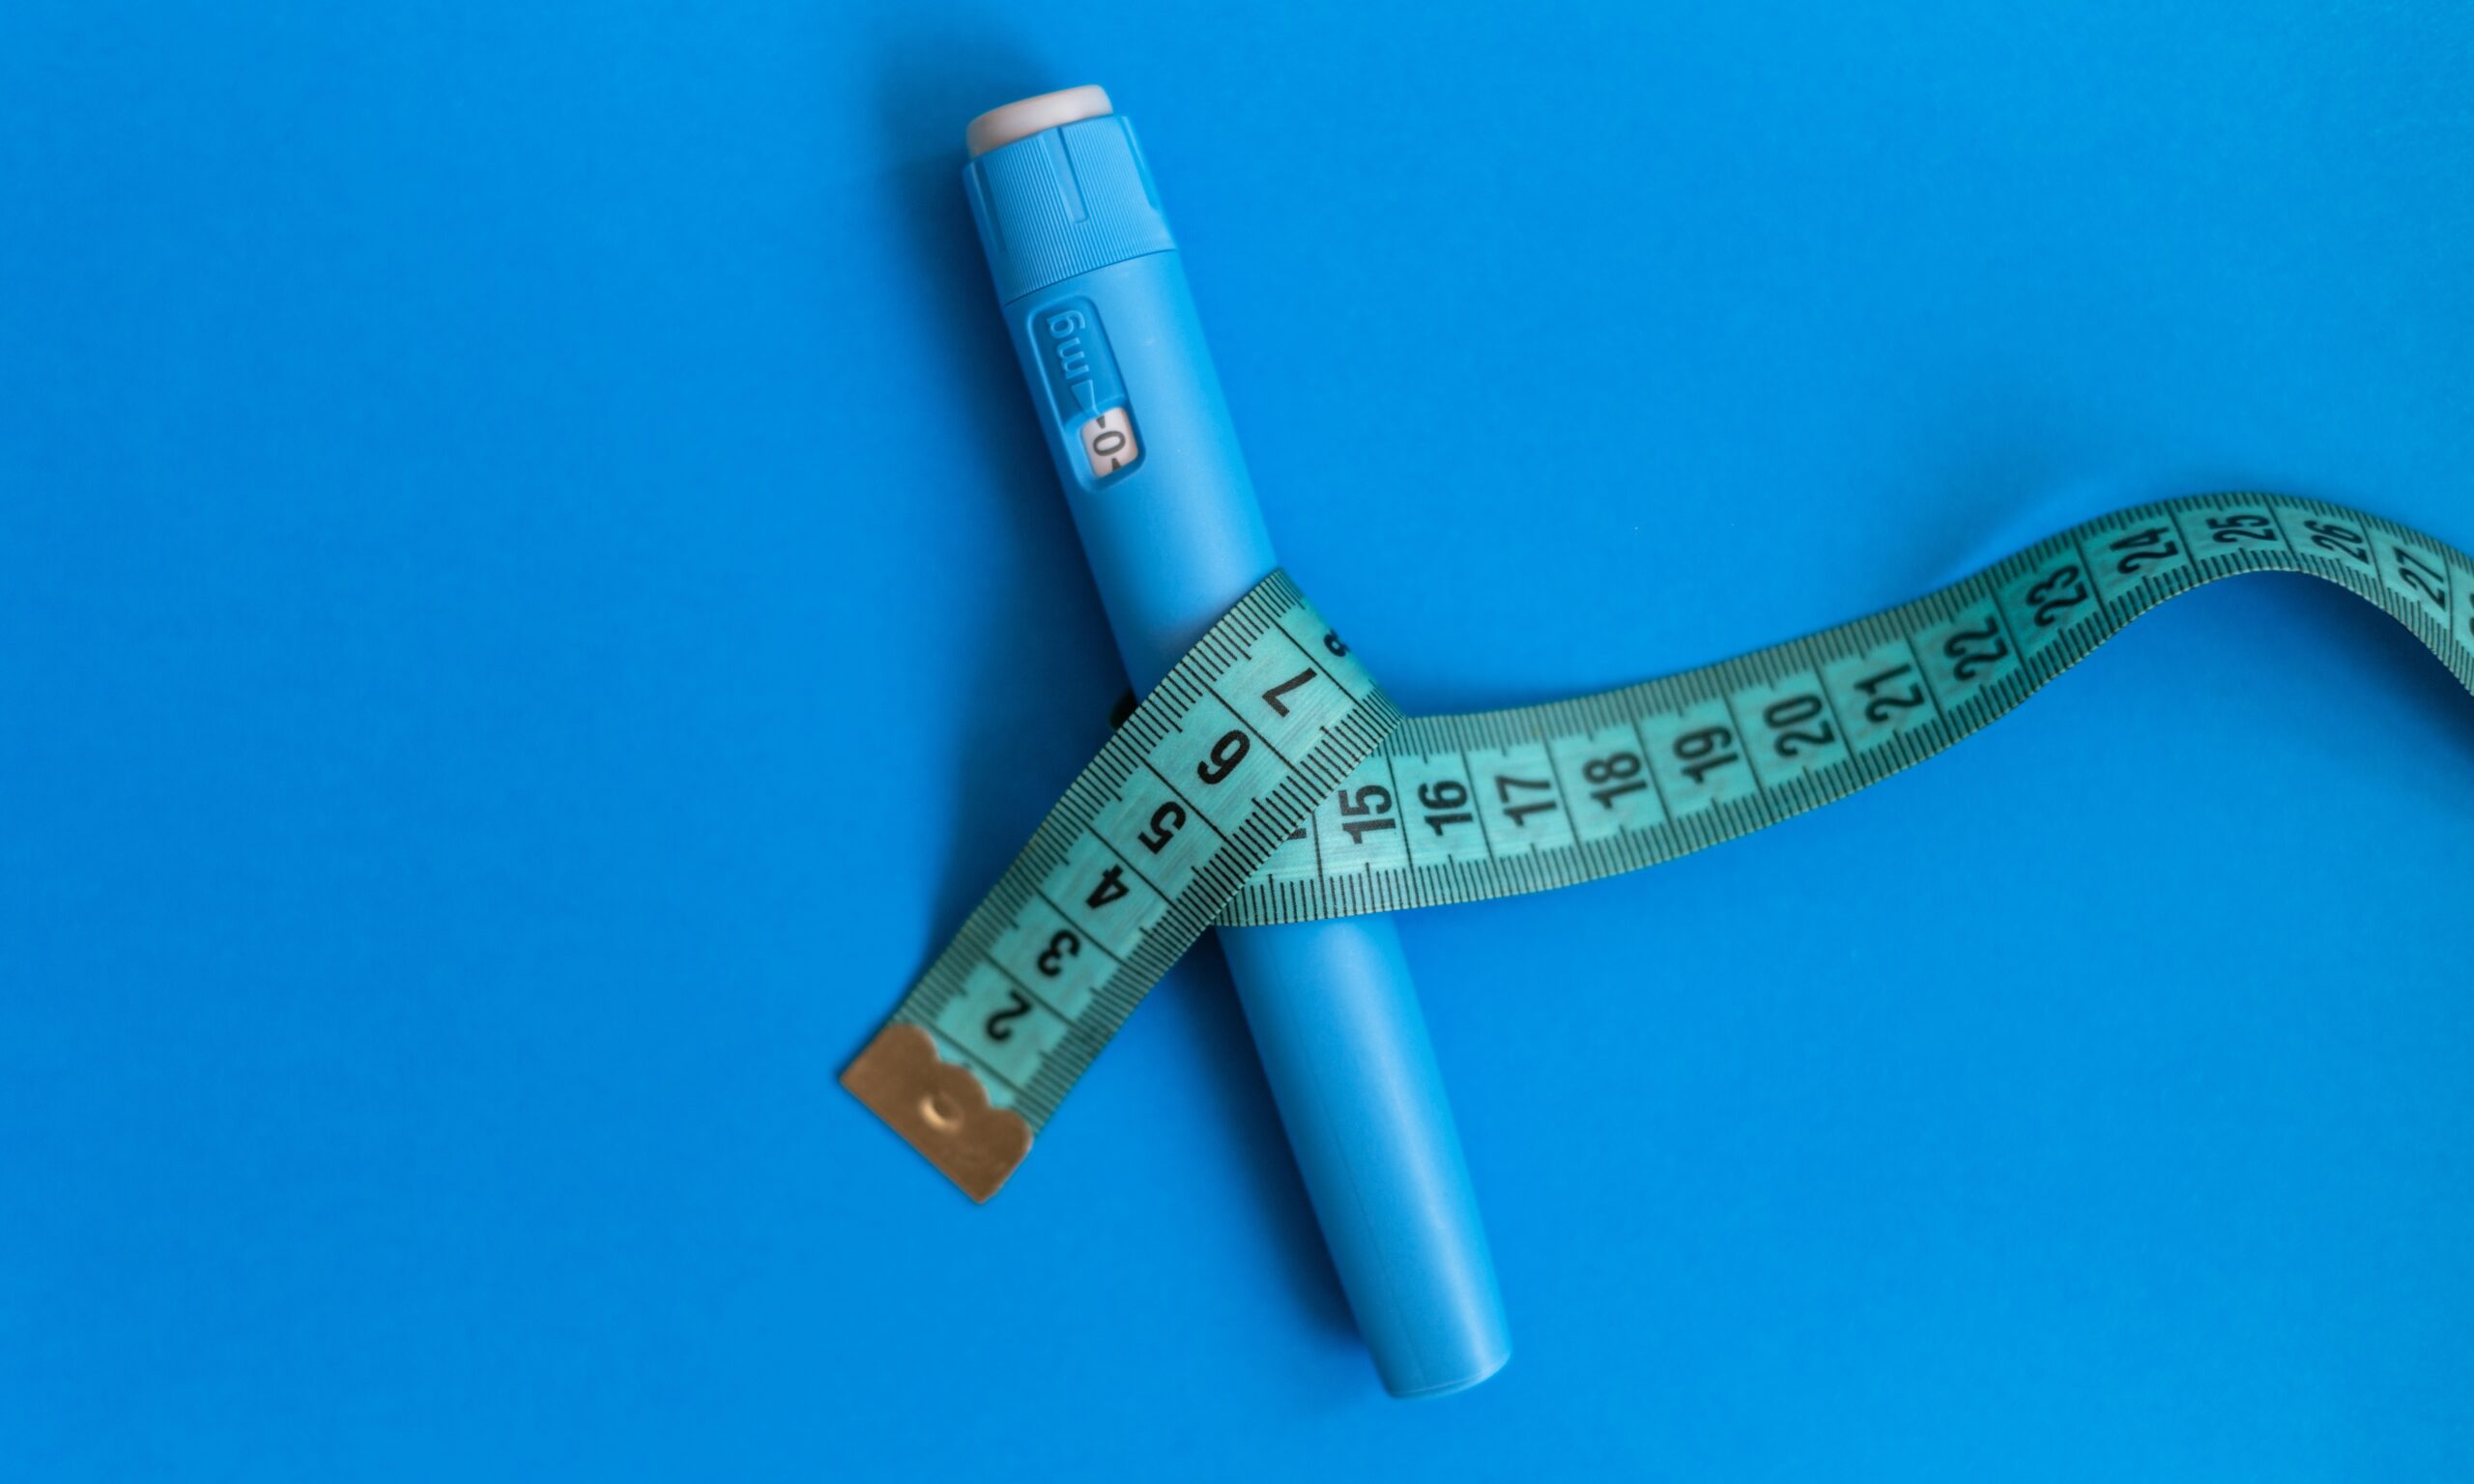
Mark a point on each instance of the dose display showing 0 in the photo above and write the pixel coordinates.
(1269, 780)
(1107, 443)
(1086, 392)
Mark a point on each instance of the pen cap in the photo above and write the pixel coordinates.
(1058, 187)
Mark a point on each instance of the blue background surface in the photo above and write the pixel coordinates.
(531, 598)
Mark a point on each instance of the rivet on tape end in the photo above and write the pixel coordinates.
(940, 1108)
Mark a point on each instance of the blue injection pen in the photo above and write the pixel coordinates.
(1095, 296)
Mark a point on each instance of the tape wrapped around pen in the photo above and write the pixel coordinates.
(1269, 780)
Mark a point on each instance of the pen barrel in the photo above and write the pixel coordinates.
(1095, 299)
(1343, 1042)
(1174, 539)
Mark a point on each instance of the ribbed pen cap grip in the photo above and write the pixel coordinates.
(1064, 201)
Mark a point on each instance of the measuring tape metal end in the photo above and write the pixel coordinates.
(940, 1108)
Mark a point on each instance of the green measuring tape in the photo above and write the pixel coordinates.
(1269, 780)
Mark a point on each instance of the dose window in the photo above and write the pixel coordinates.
(1107, 443)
